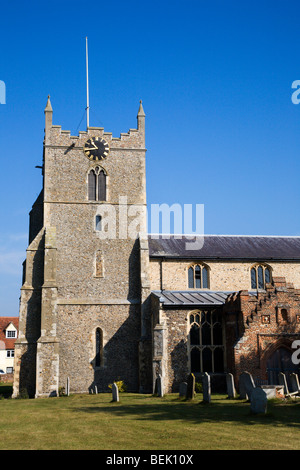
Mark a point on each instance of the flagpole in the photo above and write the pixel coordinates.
(87, 86)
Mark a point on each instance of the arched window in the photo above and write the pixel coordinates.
(99, 347)
(97, 184)
(206, 341)
(198, 277)
(260, 276)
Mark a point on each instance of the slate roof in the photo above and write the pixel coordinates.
(191, 298)
(240, 247)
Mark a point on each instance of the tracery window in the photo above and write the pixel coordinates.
(206, 341)
(97, 184)
(198, 276)
(260, 276)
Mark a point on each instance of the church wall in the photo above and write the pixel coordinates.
(78, 247)
(223, 275)
(66, 170)
(170, 347)
(68, 209)
(177, 348)
(120, 325)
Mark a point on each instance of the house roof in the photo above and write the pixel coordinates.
(191, 298)
(215, 247)
(4, 323)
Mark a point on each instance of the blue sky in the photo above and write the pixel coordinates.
(215, 79)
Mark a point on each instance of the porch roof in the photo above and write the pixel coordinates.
(182, 298)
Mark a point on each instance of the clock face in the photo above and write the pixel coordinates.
(96, 148)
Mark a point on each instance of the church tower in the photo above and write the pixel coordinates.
(81, 299)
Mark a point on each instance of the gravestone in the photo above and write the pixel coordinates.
(206, 388)
(190, 389)
(230, 386)
(115, 392)
(294, 382)
(258, 401)
(159, 386)
(282, 381)
(273, 391)
(182, 389)
(246, 385)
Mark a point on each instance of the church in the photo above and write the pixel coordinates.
(102, 300)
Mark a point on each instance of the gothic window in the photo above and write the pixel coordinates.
(260, 276)
(97, 184)
(206, 341)
(99, 347)
(198, 276)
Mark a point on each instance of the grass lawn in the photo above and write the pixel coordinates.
(144, 422)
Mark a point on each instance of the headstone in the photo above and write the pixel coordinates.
(115, 392)
(258, 401)
(246, 385)
(273, 391)
(68, 387)
(294, 382)
(182, 389)
(282, 381)
(159, 386)
(190, 389)
(206, 388)
(230, 386)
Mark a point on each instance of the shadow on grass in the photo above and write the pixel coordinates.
(195, 412)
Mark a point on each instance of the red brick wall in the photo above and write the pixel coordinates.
(255, 327)
(7, 378)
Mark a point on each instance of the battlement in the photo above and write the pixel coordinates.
(58, 137)
(55, 136)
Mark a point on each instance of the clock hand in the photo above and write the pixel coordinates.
(92, 148)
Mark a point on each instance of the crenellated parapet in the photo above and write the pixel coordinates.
(57, 137)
